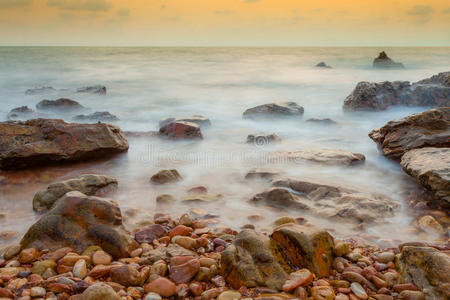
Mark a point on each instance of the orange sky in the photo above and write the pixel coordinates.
(225, 22)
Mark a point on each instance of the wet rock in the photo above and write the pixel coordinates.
(427, 129)
(412, 295)
(322, 121)
(23, 112)
(126, 275)
(62, 104)
(263, 140)
(341, 248)
(298, 278)
(181, 130)
(103, 116)
(358, 290)
(43, 141)
(322, 293)
(274, 110)
(229, 295)
(29, 255)
(150, 233)
(430, 167)
(161, 286)
(322, 64)
(40, 90)
(201, 121)
(40, 267)
(323, 156)
(430, 225)
(79, 221)
(385, 62)
(91, 185)
(80, 269)
(11, 251)
(166, 176)
(183, 273)
(279, 198)
(37, 292)
(201, 198)
(94, 89)
(99, 291)
(165, 199)
(369, 96)
(261, 174)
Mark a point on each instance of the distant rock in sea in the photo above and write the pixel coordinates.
(104, 116)
(22, 112)
(383, 61)
(322, 64)
(274, 110)
(62, 104)
(95, 89)
(40, 90)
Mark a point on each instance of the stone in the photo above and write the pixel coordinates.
(166, 177)
(341, 248)
(262, 140)
(40, 90)
(180, 230)
(201, 198)
(358, 290)
(321, 121)
(261, 174)
(126, 275)
(322, 156)
(429, 224)
(94, 89)
(29, 255)
(43, 141)
(150, 233)
(369, 96)
(80, 269)
(22, 112)
(90, 184)
(100, 291)
(185, 242)
(181, 130)
(165, 199)
(429, 166)
(356, 277)
(152, 296)
(62, 104)
(183, 273)
(10, 271)
(37, 292)
(385, 257)
(201, 121)
(298, 278)
(103, 116)
(161, 286)
(412, 295)
(79, 221)
(385, 62)
(229, 295)
(274, 110)
(101, 258)
(11, 251)
(322, 293)
(284, 220)
(40, 267)
(323, 65)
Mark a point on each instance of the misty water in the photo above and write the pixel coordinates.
(147, 84)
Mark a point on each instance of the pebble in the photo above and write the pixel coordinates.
(185, 242)
(39, 267)
(100, 291)
(341, 248)
(162, 286)
(385, 257)
(229, 295)
(11, 252)
(284, 220)
(37, 291)
(358, 290)
(412, 295)
(181, 230)
(101, 258)
(80, 269)
(29, 255)
(301, 277)
(322, 293)
(152, 296)
(185, 272)
(126, 275)
(341, 297)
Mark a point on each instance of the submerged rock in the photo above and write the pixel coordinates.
(431, 168)
(427, 129)
(323, 121)
(61, 104)
(369, 96)
(262, 140)
(322, 64)
(274, 110)
(42, 141)
(323, 156)
(23, 112)
(79, 221)
(197, 119)
(91, 185)
(181, 130)
(262, 174)
(97, 116)
(40, 90)
(385, 62)
(95, 89)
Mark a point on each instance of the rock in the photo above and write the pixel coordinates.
(150, 233)
(40, 90)
(428, 268)
(11, 251)
(323, 156)
(201, 198)
(274, 110)
(61, 104)
(412, 295)
(284, 220)
(23, 112)
(166, 176)
(279, 198)
(161, 286)
(181, 130)
(429, 224)
(95, 89)
(29, 255)
(430, 168)
(79, 221)
(341, 248)
(100, 291)
(91, 185)
(322, 121)
(197, 119)
(229, 295)
(43, 141)
(183, 273)
(261, 174)
(185, 242)
(152, 296)
(298, 278)
(101, 258)
(369, 96)
(37, 292)
(254, 260)
(10, 271)
(322, 293)
(126, 275)
(358, 290)
(306, 247)
(263, 140)
(427, 129)
(384, 62)
(165, 199)
(80, 269)
(103, 116)
(322, 64)
(40, 267)
(385, 257)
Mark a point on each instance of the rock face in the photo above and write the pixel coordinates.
(181, 130)
(62, 104)
(427, 129)
(274, 110)
(79, 221)
(428, 268)
(40, 90)
(95, 89)
(384, 62)
(431, 168)
(42, 141)
(97, 116)
(197, 119)
(23, 112)
(322, 64)
(91, 185)
(369, 96)
(323, 156)
(327, 201)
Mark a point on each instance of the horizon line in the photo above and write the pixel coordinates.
(231, 46)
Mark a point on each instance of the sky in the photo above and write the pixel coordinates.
(225, 22)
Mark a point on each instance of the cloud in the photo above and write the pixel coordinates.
(223, 12)
(86, 5)
(123, 12)
(15, 3)
(420, 10)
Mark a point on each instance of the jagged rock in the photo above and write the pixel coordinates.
(61, 104)
(427, 129)
(79, 221)
(274, 110)
(322, 64)
(428, 268)
(431, 168)
(40, 90)
(262, 140)
(197, 119)
(323, 156)
(95, 89)
(23, 112)
(42, 141)
(91, 185)
(166, 176)
(97, 116)
(385, 62)
(369, 96)
(181, 130)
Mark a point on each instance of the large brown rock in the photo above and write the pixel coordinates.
(274, 110)
(79, 221)
(368, 96)
(427, 129)
(383, 61)
(181, 130)
(431, 168)
(428, 268)
(62, 104)
(197, 119)
(90, 184)
(42, 141)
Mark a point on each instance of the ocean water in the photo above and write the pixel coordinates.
(147, 84)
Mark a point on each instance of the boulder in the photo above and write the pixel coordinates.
(79, 221)
(166, 176)
(323, 156)
(61, 104)
(428, 268)
(95, 89)
(262, 140)
(181, 130)
(91, 185)
(40, 90)
(42, 141)
(322, 64)
(430, 167)
(23, 112)
(274, 110)
(385, 62)
(197, 119)
(97, 116)
(369, 96)
(427, 129)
